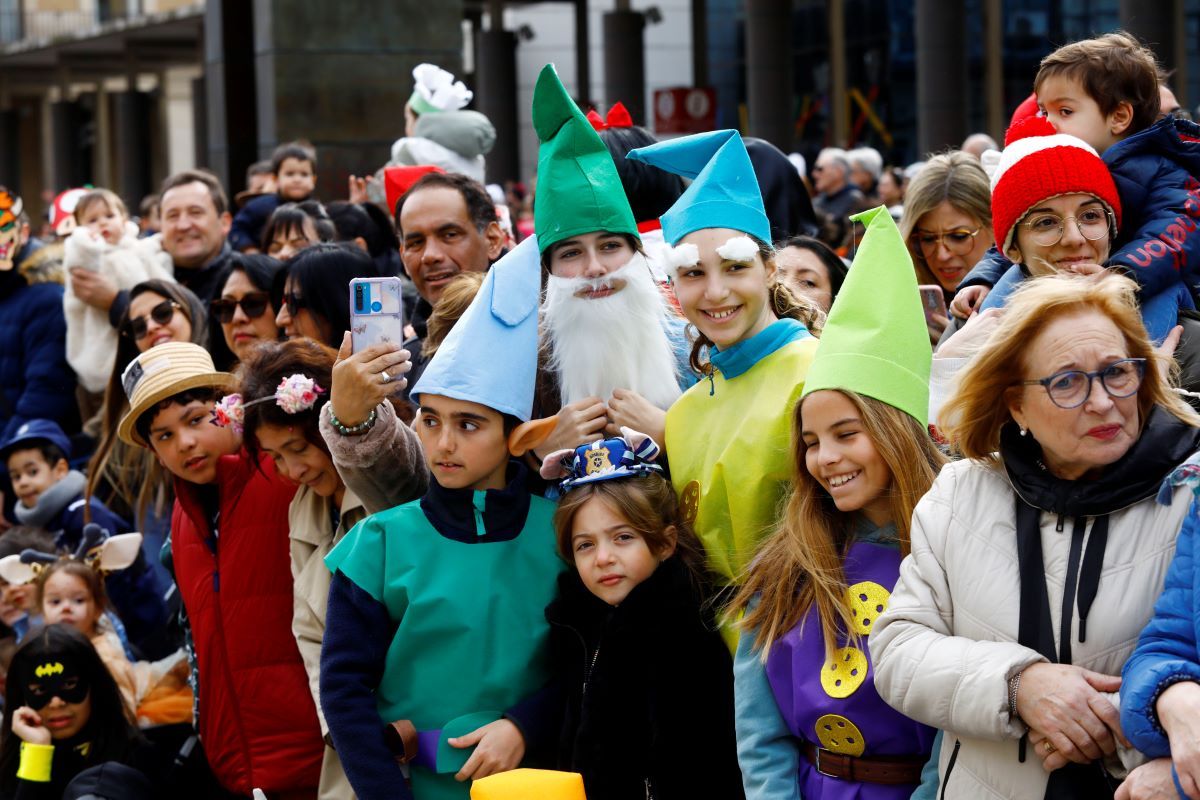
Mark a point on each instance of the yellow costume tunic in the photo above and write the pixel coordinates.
(729, 442)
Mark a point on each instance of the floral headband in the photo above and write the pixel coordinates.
(295, 393)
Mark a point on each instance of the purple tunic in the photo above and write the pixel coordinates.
(833, 704)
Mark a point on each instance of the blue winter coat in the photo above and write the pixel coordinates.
(35, 380)
(1169, 648)
(1158, 244)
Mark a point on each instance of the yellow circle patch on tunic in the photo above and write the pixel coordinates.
(840, 735)
(844, 673)
(689, 502)
(867, 600)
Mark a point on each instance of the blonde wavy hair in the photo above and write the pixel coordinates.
(972, 418)
(800, 564)
(955, 178)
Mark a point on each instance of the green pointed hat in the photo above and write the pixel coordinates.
(578, 188)
(875, 341)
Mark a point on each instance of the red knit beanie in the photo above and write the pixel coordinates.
(1038, 164)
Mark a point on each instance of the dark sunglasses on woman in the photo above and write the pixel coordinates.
(162, 313)
(253, 305)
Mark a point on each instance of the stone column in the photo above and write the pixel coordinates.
(132, 124)
(496, 97)
(625, 62)
(941, 64)
(229, 85)
(769, 70)
(345, 89)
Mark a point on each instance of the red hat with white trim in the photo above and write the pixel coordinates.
(1038, 164)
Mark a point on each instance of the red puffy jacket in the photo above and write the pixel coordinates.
(256, 715)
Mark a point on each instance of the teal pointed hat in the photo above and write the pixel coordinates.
(875, 341)
(724, 192)
(578, 188)
(490, 355)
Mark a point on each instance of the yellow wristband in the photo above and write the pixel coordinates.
(35, 762)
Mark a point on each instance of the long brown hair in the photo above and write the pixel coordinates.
(784, 302)
(260, 376)
(974, 415)
(800, 564)
(649, 505)
(133, 475)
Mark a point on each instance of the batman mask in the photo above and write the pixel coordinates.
(56, 677)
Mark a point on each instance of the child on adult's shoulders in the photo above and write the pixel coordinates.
(294, 168)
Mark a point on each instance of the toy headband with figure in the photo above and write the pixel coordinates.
(630, 455)
(97, 550)
(294, 394)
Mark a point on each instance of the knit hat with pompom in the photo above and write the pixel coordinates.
(1038, 164)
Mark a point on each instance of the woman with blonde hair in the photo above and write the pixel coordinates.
(1068, 427)
(947, 223)
(809, 720)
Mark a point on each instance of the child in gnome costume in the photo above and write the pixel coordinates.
(727, 436)
(228, 549)
(617, 351)
(809, 721)
(435, 651)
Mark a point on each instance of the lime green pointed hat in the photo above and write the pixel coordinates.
(875, 341)
(578, 188)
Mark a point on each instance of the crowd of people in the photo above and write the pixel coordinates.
(686, 474)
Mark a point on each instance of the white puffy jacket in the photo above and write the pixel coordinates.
(947, 645)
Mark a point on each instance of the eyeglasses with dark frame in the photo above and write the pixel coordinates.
(1071, 388)
(253, 305)
(137, 327)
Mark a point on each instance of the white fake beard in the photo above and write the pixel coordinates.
(614, 342)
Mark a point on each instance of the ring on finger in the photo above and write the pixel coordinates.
(1048, 746)
(386, 378)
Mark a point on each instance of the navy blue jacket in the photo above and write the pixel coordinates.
(35, 380)
(1158, 245)
(248, 225)
(359, 630)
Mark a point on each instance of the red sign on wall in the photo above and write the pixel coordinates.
(682, 110)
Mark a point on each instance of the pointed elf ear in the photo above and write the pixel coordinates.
(119, 552)
(529, 435)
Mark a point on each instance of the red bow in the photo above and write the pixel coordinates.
(618, 117)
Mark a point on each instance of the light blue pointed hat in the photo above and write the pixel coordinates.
(724, 192)
(490, 355)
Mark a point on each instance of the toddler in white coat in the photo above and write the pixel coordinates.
(104, 241)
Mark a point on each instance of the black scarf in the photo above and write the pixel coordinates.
(1165, 442)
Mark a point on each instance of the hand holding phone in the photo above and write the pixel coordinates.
(933, 301)
(376, 312)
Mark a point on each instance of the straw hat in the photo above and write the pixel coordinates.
(163, 372)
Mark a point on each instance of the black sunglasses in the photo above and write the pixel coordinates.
(253, 305)
(294, 304)
(162, 313)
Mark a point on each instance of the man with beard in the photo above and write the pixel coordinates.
(614, 351)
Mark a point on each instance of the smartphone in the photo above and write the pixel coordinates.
(933, 301)
(376, 312)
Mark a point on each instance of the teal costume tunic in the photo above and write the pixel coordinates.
(471, 635)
